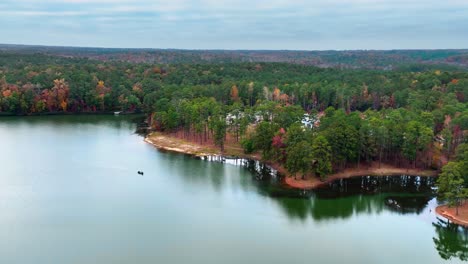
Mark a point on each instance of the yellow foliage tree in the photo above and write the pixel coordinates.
(276, 94)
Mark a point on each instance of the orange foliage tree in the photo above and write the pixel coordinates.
(234, 93)
(57, 97)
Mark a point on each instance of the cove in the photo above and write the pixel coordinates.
(70, 193)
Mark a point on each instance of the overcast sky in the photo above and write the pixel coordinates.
(241, 24)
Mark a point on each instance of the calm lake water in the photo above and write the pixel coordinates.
(70, 193)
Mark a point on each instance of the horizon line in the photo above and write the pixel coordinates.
(225, 49)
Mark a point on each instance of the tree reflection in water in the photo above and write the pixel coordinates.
(346, 197)
(341, 198)
(366, 195)
(376, 185)
(407, 204)
(451, 240)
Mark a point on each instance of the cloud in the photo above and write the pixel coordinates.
(255, 24)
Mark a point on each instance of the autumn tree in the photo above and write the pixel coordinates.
(279, 146)
(234, 93)
(58, 96)
(276, 94)
(101, 92)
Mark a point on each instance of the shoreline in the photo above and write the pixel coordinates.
(373, 170)
(172, 144)
(84, 113)
(450, 214)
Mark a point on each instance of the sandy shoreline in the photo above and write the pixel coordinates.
(169, 143)
(450, 214)
(172, 144)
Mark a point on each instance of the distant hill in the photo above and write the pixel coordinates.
(370, 59)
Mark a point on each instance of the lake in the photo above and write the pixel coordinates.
(70, 193)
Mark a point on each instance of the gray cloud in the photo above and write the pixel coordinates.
(241, 24)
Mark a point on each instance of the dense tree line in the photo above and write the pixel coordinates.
(369, 59)
(28, 79)
(337, 139)
(356, 117)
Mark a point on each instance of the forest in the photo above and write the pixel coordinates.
(313, 121)
(362, 59)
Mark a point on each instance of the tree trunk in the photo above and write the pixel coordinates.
(359, 159)
(380, 158)
(205, 133)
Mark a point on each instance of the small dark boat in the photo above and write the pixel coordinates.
(140, 172)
